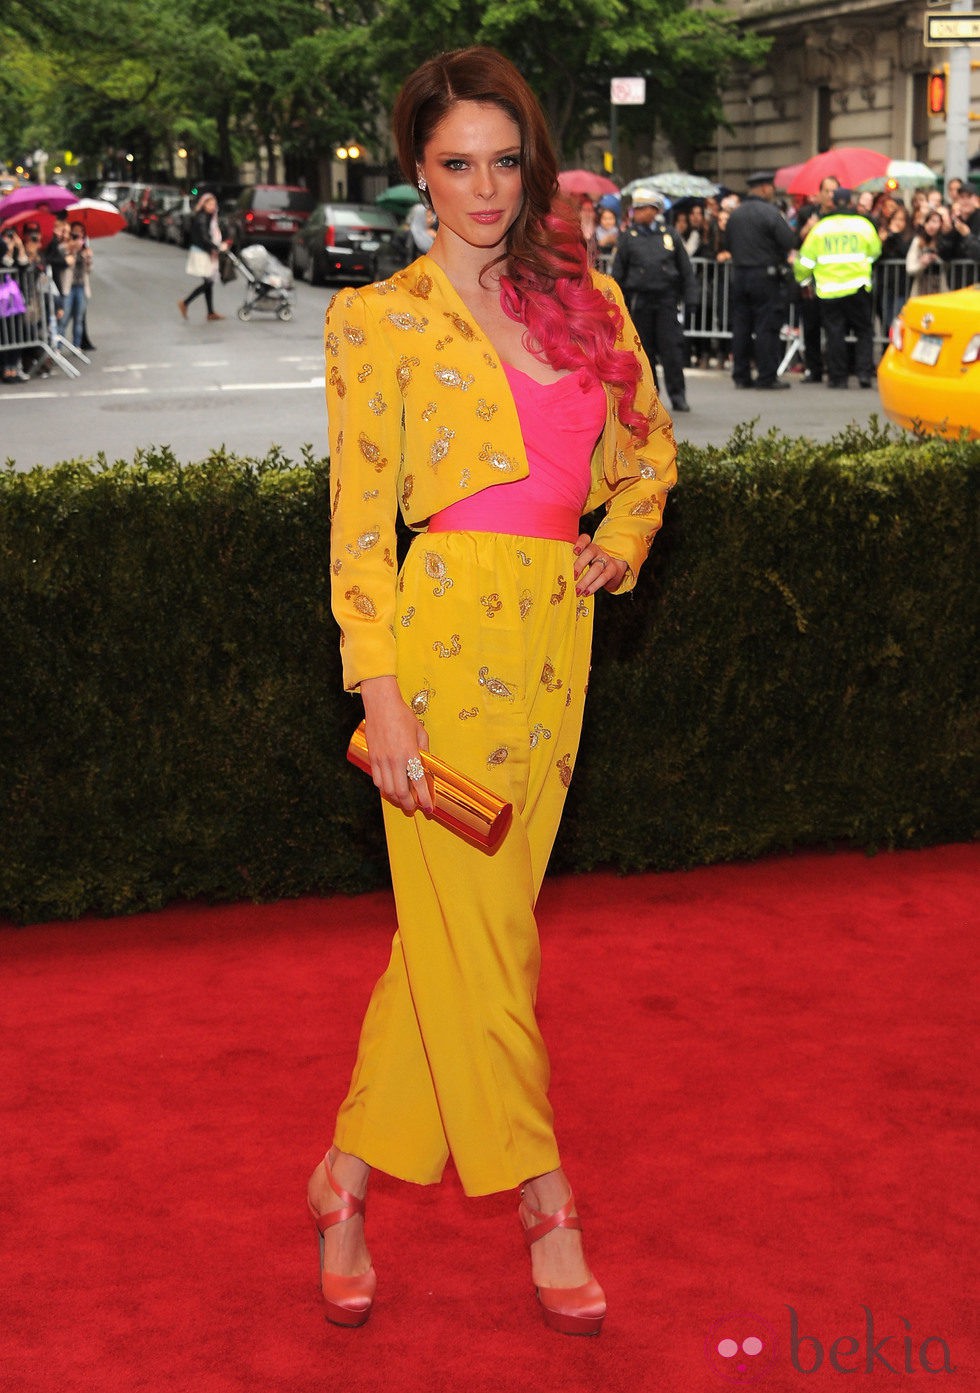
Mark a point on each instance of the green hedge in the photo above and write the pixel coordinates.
(797, 665)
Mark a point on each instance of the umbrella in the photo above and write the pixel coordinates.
(902, 174)
(583, 181)
(399, 198)
(785, 175)
(676, 184)
(39, 217)
(34, 196)
(848, 163)
(100, 219)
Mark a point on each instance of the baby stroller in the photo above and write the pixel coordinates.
(268, 283)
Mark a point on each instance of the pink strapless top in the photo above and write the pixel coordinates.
(560, 423)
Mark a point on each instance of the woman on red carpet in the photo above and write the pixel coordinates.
(495, 391)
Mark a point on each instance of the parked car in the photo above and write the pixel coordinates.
(929, 377)
(176, 221)
(129, 205)
(157, 208)
(150, 205)
(113, 192)
(342, 242)
(269, 214)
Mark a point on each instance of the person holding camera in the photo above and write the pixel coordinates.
(76, 286)
(761, 243)
(924, 262)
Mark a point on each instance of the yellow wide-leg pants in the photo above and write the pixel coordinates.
(493, 655)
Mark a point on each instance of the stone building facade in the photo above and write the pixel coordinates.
(843, 72)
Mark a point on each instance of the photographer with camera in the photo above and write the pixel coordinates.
(761, 243)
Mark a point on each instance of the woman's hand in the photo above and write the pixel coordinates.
(595, 569)
(394, 736)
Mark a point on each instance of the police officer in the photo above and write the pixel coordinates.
(759, 239)
(654, 271)
(839, 253)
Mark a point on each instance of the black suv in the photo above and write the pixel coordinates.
(342, 242)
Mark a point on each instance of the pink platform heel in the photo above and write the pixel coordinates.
(348, 1299)
(569, 1310)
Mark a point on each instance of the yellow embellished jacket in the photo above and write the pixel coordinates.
(420, 415)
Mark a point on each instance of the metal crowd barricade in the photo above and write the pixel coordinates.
(37, 327)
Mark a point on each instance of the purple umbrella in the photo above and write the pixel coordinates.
(31, 196)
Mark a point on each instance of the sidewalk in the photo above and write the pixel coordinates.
(809, 410)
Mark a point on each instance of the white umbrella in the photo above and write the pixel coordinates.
(675, 183)
(902, 174)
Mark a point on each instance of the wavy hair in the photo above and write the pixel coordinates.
(546, 285)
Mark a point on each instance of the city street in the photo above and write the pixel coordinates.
(158, 380)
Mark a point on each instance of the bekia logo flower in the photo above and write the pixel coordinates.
(741, 1347)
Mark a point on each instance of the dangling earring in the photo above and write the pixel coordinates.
(422, 184)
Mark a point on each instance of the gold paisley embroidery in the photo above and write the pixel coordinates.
(407, 486)
(372, 452)
(336, 567)
(353, 334)
(385, 287)
(564, 769)
(642, 509)
(365, 372)
(497, 756)
(523, 558)
(435, 569)
(450, 652)
(496, 458)
(494, 685)
(549, 678)
(490, 360)
(378, 404)
(429, 412)
(370, 494)
(486, 410)
(452, 377)
(389, 560)
(568, 697)
(647, 471)
(581, 610)
(492, 604)
(420, 701)
(406, 322)
(365, 542)
(332, 344)
(468, 712)
(336, 500)
(439, 448)
(361, 602)
(559, 594)
(460, 324)
(444, 343)
(404, 370)
(464, 479)
(408, 616)
(539, 732)
(422, 288)
(525, 603)
(337, 382)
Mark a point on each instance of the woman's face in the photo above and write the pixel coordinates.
(607, 218)
(931, 224)
(472, 165)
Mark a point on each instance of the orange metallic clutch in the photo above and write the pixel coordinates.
(465, 807)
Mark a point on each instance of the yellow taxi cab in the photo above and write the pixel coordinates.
(929, 377)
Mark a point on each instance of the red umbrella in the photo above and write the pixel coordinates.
(100, 219)
(583, 181)
(849, 163)
(37, 217)
(786, 174)
(37, 196)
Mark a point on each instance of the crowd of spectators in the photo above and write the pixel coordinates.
(52, 282)
(922, 232)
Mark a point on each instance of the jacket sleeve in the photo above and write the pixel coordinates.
(364, 406)
(635, 511)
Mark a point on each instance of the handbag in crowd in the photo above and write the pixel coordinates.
(11, 299)
(465, 807)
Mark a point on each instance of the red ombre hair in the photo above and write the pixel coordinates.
(547, 285)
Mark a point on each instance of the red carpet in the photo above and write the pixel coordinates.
(763, 1076)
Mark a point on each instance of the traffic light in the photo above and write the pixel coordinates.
(937, 94)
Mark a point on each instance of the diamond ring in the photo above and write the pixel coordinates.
(414, 769)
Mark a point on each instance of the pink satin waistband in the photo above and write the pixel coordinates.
(547, 520)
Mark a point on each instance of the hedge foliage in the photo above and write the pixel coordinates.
(797, 665)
